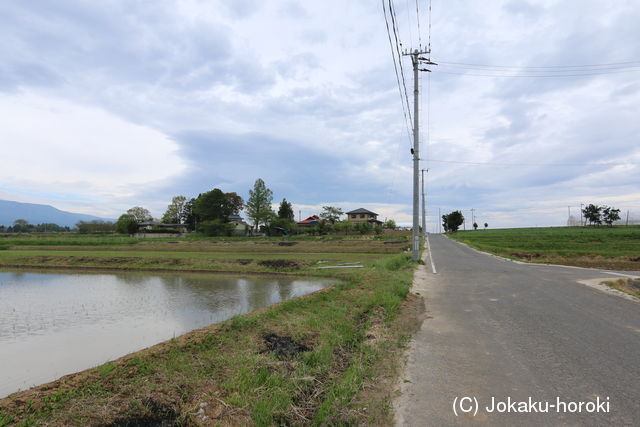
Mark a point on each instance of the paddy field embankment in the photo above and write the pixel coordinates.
(328, 357)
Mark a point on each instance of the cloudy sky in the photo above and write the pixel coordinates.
(109, 104)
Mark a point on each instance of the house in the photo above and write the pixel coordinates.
(363, 215)
(241, 227)
(309, 222)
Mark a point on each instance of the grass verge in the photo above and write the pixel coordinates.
(626, 285)
(616, 248)
(227, 373)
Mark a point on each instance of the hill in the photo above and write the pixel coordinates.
(39, 214)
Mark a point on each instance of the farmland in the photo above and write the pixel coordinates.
(342, 338)
(595, 247)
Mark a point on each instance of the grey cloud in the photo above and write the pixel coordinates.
(241, 9)
(314, 36)
(293, 10)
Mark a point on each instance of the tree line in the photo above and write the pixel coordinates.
(212, 214)
(596, 215)
(23, 226)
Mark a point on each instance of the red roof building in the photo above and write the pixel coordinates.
(309, 222)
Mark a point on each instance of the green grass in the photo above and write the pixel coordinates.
(226, 365)
(628, 286)
(587, 246)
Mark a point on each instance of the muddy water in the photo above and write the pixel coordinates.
(52, 324)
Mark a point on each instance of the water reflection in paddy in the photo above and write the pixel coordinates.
(52, 324)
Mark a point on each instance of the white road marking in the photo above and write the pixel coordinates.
(433, 266)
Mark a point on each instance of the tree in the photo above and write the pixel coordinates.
(259, 203)
(95, 226)
(331, 214)
(343, 226)
(285, 211)
(276, 224)
(126, 224)
(21, 226)
(216, 205)
(175, 211)
(475, 225)
(486, 225)
(364, 227)
(188, 216)
(216, 227)
(592, 213)
(451, 222)
(140, 214)
(390, 224)
(609, 215)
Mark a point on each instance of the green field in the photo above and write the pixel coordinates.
(351, 330)
(597, 247)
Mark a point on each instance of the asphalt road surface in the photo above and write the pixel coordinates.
(498, 333)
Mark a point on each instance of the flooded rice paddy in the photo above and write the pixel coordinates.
(53, 324)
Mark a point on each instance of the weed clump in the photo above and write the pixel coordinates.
(283, 347)
(280, 264)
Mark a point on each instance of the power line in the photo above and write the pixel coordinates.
(398, 43)
(532, 164)
(628, 63)
(549, 70)
(409, 23)
(419, 31)
(540, 75)
(395, 66)
(429, 47)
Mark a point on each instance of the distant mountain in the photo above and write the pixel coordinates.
(39, 214)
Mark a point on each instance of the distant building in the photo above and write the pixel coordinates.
(363, 215)
(241, 227)
(309, 222)
(156, 229)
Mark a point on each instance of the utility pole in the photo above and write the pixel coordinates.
(416, 60)
(424, 211)
(569, 218)
(439, 221)
(473, 218)
(627, 222)
(581, 214)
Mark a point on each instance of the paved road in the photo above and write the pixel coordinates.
(500, 329)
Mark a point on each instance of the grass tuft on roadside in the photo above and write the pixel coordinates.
(626, 285)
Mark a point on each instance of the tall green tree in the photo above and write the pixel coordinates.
(259, 204)
(285, 211)
(452, 221)
(140, 214)
(126, 224)
(216, 205)
(188, 216)
(593, 214)
(175, 210)
(610, 215)
(331, 214)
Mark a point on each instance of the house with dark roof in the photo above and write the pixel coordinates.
(363, 215)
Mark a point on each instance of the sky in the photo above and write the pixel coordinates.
(112, 104)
